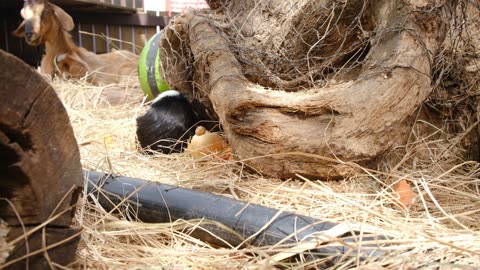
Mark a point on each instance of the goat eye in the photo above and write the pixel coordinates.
(44, 14)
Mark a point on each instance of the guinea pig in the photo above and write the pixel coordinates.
(168, 124)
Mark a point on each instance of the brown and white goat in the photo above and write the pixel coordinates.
(46, 23)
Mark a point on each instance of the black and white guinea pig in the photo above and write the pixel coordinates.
(168, 124)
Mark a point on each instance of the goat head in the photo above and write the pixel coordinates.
(41, 21)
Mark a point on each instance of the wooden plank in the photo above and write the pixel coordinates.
(95, 6)
(86, 37)
(134, 19)
(140, 39)
(114, 31)
(75, 35)
(100, 38)
(151, 31)
(127, 38)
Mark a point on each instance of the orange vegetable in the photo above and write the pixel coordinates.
(404, 196)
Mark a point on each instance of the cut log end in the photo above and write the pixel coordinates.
(40, 170)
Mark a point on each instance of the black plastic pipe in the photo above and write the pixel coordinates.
(155, 202)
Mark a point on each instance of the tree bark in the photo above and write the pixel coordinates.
(354, 116)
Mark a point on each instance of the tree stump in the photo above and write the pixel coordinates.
(305, 89)
(40, 170)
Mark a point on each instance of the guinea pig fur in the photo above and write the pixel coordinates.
(168, 123)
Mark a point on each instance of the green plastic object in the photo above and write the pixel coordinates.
(149, 75)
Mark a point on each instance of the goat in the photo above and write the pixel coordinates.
(171, 118)
(46, 23)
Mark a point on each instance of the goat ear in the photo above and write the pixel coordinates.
(20, 31)
(73, 64)
(60, 57)
(65, 19)
(63, 65)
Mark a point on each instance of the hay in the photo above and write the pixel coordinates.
(440, 230)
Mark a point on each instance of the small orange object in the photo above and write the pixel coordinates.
(205, 143)
(404, 196)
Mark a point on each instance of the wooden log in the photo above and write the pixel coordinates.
(60, 245)
(40, 170)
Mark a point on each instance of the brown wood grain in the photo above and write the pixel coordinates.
(40, 161)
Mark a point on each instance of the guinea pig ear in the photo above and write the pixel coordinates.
(65, 19)
(20, 31)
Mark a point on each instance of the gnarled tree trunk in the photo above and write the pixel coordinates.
(292, 83)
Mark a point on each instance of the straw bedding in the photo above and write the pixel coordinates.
(439, 231)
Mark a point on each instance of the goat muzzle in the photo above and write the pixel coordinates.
(28, 30)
